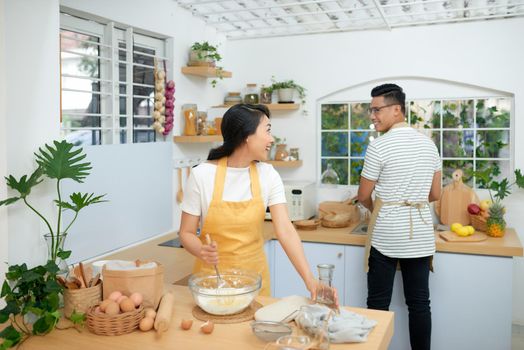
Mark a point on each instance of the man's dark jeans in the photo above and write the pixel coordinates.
(415, 276)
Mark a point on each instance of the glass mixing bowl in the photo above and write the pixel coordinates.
(241, 287)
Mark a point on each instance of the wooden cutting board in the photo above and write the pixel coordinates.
(453, 237)
(453, 203)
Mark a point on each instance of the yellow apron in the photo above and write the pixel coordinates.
(378, 204)
(237, 229)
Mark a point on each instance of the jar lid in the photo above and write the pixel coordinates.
(251, 85)
(233, 93)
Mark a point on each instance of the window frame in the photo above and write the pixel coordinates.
(110, 36)
(511, 131)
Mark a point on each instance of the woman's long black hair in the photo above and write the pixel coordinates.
(238, 123)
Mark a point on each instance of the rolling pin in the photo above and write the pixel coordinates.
(164, 313)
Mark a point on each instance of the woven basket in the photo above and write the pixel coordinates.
(103, 324)
(80, 300)
(478, 222)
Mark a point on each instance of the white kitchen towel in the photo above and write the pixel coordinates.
(283, 310)
(347, 327)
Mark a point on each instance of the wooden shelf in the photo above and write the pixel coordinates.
(284, 164)
(207, 72)
(273, 106)
(198, 139)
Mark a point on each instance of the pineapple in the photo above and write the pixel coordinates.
(496, 225)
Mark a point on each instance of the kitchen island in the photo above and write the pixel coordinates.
(236, 336)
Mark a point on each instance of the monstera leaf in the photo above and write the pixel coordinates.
(23, 186)
(62, 162)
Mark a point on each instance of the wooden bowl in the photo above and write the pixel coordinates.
(336, 220)
(306, 225)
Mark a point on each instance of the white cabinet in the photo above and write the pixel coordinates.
(286, 281)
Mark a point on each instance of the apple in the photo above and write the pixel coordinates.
(473, 209)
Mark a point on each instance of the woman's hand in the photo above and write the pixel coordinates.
(209, 253)
(330, 293)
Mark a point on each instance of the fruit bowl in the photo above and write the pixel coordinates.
(241, 287)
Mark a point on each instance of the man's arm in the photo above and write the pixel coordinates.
(434, 192)
(365, 190)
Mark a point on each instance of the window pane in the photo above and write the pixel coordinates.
(78, 121)
(499, 169)
(334, 144)
(457, 114)
(425, 114)
(449, 166)
(334, 116)
(80, 102)
(356, 169)
(141, 122)
(340, 166)
(458, 144)
(493, 113)
(360, 141)
(143, 136)
(82, 137)
(360, 116)
(73, 64)
(143, 106)
(493, 144)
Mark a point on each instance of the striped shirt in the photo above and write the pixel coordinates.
(402, 162)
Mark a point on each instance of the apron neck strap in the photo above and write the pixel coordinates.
(220, 179)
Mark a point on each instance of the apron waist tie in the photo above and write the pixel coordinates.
(411, 205)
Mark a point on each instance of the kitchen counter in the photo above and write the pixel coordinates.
(509, 245)
(225, 336)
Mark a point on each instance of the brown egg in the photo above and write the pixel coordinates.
(115, 295)
(150, 313)
(146, 324)
(120, 298)
(207, 327)
(137, 298)
(112, 308)
(127, 305)
(104, 304)
(186, 324)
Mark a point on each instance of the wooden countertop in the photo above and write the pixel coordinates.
(508, 246)
(224, 337)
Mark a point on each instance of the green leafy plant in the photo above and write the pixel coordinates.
(205, 51)
(289, 84)
(501, 188)
(57, 163)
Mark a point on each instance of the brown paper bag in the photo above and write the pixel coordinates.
(148, 282)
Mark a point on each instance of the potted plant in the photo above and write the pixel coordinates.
(203, 54)
(286, 89)
(57, 163)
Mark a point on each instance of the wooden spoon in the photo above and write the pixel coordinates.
(180, 193)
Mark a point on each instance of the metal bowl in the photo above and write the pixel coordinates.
(269, 331)
(241, 287)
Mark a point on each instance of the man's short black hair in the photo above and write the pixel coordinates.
(392, 94)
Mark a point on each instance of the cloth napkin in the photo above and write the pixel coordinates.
(347, 327)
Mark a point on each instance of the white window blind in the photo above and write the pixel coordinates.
(107, 82)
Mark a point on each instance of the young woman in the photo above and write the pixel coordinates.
(229, 194)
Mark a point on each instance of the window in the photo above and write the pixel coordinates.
(107, 82)
(471, 134)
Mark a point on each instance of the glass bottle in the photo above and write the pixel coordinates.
(55, 244)
(190, 118)
(330, 176)
(265, 95)
(251, 95)
(293, 152)
(325, 277)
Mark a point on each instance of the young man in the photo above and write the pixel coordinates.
(403, 167)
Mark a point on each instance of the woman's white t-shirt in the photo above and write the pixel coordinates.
(201, 183)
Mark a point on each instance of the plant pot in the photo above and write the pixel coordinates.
(198, 58)
(285, 95)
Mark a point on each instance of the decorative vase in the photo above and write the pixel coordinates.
(56, 245)
(285, 95)
(281, 152)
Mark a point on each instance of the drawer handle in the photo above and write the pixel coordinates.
(339, 255)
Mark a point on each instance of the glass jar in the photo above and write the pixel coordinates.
(265, 95)
(251, 95)
(201, 122)
(232, 98)
(293, 152)
(190, 117)
(329, 176)
(325, 277)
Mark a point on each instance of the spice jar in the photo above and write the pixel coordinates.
(190, 118)
(265, 95)
(201, 122)
(251, 95)
(232, 98)
(293, 152)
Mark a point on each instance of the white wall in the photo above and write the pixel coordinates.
(32, 56)
(3, 151)
(485, 54)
